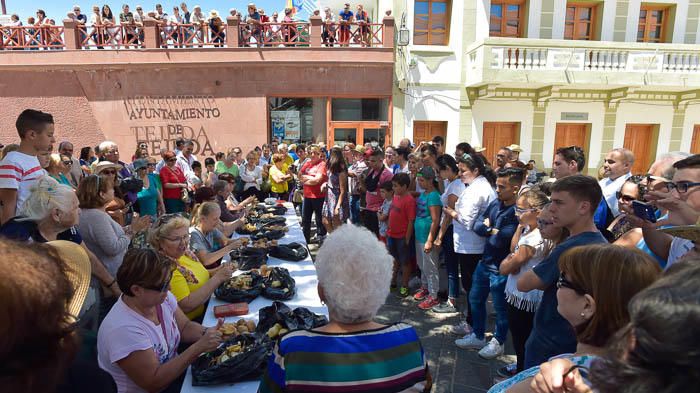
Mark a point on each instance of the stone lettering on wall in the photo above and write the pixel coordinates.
(159, 121)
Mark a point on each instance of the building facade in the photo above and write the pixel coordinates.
(551, 73)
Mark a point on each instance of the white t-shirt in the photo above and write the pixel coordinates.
(125, 331)
(679, 247)
(526, 301)
(456, 187)
(19, 171)
(251, 178)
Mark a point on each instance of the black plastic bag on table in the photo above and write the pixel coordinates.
(231, 293)
(276, 210)
(290, 252)
(248, 364)
(249, 251)
(279, 285)
(277, 220)
(278, 312)
(268, 234)
(248, 262)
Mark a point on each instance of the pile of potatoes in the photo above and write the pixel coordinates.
(229, 330)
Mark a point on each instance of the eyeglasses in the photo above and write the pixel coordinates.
(153, 164)
(67, 162)
(681, 187)
(626, 198)
(182, 239)
(172, 160)
(523, 211)
(564, 283)
(161, 288)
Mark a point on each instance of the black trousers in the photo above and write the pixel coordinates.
(312, 206)
(370, 221)
(520, 325)
(467, 264)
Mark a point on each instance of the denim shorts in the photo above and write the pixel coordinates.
(399, 249)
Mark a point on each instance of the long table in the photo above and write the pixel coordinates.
(303, 272)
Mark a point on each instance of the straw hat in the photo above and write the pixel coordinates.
(213, 14)
(515, 147)
(479, 149)
(77, 269)
(102, 165)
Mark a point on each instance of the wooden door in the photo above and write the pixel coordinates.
(496, 135)
(639, 139)
(695, 143)
(570, 134)
(424, 131)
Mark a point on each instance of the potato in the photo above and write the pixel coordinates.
(251, 326)
(242, 329)
(283, 331)
(276, 284)
(240, 322)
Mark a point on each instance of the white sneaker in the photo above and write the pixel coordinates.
(470, 342)
(492, 350)
(461, 329)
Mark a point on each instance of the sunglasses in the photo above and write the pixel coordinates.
(108, 172)
(564, 283)
(160, 288)
(165, 218)
(172, 160)
(626, 198)
(523, 211)
(67, 162)
(153, 164)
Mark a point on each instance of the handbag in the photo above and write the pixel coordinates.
(185, 196)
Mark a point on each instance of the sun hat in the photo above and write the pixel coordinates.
(360, 149)
(78, 271)
(515, 147)
(140, 163)
(102, 165)
(479, 149)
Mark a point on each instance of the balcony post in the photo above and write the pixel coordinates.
(388, 33)
(315, 32)
(232, 31)
(71, 35)
(151, 36)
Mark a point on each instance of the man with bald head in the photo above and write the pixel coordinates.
(405, 143)
(617, 166)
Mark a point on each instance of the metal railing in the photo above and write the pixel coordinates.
(31, 37)
(353, 34)
(191, 35)
(110, 36)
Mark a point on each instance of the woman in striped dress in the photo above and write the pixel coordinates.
(351, 353)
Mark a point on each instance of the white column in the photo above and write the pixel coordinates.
(534, 19)
(632, 20)
(483, 13)
(607, 28)
(559, 19)
(680, 22)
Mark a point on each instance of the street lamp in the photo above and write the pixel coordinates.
(404, 36)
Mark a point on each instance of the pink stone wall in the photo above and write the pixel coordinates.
(223, 104)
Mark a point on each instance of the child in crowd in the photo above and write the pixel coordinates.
(428, 209)
(400, 228)
(386, 190)
(528, 249)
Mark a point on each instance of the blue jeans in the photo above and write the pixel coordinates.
(355, 209)
(487, 279)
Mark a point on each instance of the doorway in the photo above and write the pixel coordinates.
(424, 131)
(497, 135)
(640, 139)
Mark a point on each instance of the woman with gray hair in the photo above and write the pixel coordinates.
(354, 273)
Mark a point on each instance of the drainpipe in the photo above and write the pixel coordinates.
(4, 8)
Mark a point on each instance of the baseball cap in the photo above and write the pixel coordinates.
(427, 172)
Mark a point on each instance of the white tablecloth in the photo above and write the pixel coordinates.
(304, 274)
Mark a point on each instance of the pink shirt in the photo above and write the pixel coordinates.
(374, 199)
(124, 331)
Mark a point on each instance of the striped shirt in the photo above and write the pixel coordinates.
(389, 359)
(19, 171)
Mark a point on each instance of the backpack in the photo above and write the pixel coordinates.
(290, 252)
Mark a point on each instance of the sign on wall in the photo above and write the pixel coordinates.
(159, 121)
(286, 125)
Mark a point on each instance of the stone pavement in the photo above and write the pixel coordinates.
(454, 370)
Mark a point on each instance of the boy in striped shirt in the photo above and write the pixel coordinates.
(20, 169)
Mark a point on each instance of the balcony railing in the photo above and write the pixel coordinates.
(232, 34)
(561, 55)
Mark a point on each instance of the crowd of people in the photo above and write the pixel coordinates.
(181, 27)
(579, 270)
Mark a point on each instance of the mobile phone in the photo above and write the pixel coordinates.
(644, 211)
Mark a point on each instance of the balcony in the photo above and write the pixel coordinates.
(232, 34)
(521, 61)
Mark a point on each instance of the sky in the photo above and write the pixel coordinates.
(57, 9)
